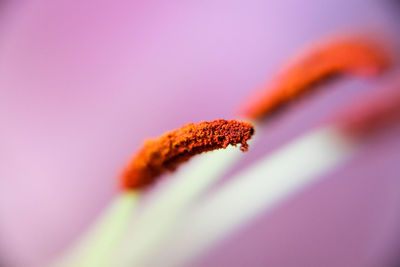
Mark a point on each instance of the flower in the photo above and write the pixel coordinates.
(84, 83)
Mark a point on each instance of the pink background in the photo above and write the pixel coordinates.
(82, 83)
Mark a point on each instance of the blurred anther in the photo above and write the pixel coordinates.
(355, 56)
(375, 112)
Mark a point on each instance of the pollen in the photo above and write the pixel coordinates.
(354, 56)
(167, 152)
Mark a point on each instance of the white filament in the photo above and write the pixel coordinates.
(153, 226)
(95, 248)
(258, 189)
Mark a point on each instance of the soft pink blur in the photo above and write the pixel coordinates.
(82, 83)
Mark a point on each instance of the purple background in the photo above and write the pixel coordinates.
(82, 83)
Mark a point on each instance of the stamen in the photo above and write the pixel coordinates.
(264, 185)
(167, 152)
(328, 60)
(259, 188)
(157, 156)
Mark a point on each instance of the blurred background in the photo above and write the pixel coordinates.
(82, 83)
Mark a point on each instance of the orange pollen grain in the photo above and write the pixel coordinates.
(346, 56)
(167, 152)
